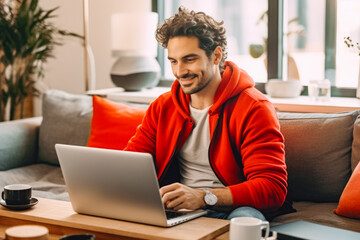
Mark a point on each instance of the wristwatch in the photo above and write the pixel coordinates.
(210, 199)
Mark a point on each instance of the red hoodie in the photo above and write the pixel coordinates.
(246, 148)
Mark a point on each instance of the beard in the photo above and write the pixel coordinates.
(200, 85)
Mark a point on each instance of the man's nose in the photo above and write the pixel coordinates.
(180, 70)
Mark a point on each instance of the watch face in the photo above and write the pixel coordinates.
(210, 199)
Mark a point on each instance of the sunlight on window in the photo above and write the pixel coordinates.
(309, 41)
(347, 61)
(241, 20)
(307, 48)
(305, 36)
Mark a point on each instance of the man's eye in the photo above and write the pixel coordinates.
(190, 59)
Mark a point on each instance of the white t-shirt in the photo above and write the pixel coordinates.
(195, 169)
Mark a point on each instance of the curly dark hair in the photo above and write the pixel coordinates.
(210, 32)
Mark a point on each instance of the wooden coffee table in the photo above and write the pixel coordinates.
(60, 219)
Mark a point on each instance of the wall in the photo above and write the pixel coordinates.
(66, 70)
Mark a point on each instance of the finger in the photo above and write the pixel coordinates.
(183, 205)
(162, 191)
(170, 196)
(175, 202)
(179, 207)
(168, 188)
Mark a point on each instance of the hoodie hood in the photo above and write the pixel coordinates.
(234, 81)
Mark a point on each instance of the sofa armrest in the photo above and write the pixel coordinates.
(19, 142)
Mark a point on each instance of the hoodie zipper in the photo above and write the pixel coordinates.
(217, 174)
(175, 150)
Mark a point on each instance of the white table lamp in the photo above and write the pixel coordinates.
(133, 42)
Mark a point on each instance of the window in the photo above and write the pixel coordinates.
(348, 24)
(243, 26)
(319, 50)
(304, 38)
(310, 43)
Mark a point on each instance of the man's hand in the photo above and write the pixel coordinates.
(178, 196)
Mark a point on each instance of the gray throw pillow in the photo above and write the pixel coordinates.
(66, 120)
(317, 153)
(18, 142)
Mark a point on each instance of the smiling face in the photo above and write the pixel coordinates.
(192, 67)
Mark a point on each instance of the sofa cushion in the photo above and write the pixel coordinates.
(355, 154)
(66, 120)
(46, 181)
(18, 142)
(317, 153)
(349, 201)
(113, 124)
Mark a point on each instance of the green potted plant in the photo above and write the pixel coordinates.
(27, 40)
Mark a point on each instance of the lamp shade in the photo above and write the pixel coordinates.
(133, 34)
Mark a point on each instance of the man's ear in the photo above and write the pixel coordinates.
(217, 55)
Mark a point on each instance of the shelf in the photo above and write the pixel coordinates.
(118, 94)
(306, 104)
(298, 104)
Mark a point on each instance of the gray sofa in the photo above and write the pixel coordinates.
(321, 152)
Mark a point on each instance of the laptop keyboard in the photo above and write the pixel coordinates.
(173, 214)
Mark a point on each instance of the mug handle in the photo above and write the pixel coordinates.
(265, 224)
(2, 195)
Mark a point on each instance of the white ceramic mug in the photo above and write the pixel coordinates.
(319, 89)
(248, 228)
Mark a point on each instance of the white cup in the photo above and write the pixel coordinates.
(319, 90)
(247, 228)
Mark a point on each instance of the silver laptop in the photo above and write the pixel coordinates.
(116, 184)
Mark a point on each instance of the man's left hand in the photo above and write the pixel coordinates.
(178, 196)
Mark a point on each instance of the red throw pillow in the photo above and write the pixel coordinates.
(349, 201)
(113, 124)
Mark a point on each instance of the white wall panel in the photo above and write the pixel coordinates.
(66, 70)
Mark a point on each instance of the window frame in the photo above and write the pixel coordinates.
(275, 39)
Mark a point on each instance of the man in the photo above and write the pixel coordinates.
(215, 138)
